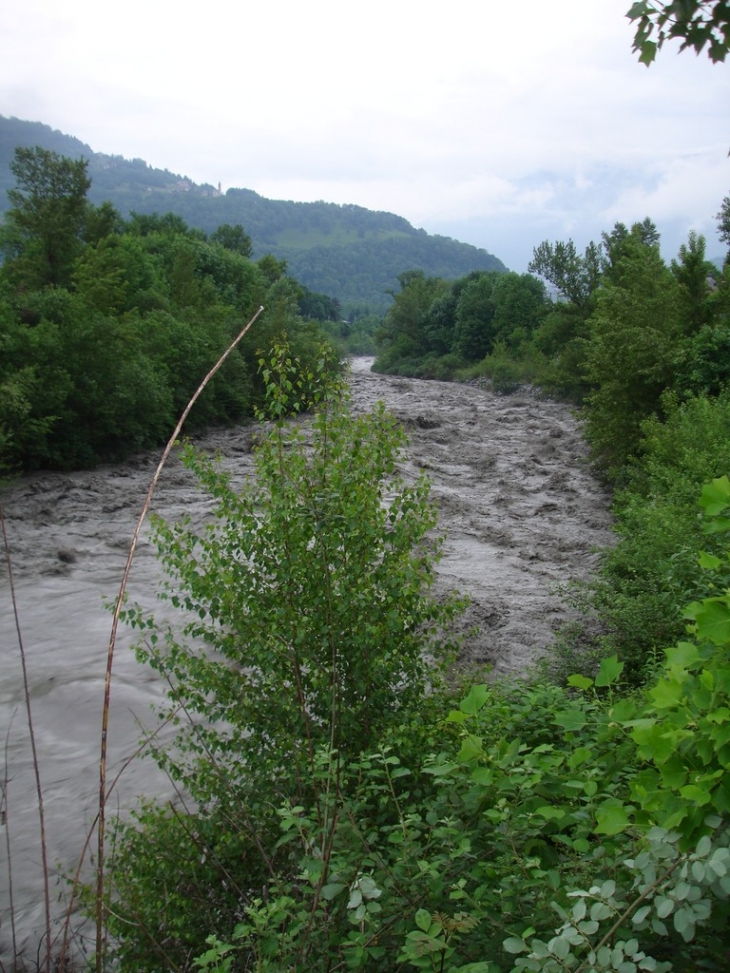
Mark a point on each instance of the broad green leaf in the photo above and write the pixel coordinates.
(713, 619)
(704, 846)
(663, 906)
(330, 891)
(423, 919)
(471, 749)
(550, 813)
(475, 700)
(571, 720)
(683, 654)
(580, 682)
(667, 693)
(709, 561)
(600, 911)
(638, 9)
(715, 496)
(696, 794)
(515, 945)
(559, 947)
(579, 756)
(609, 671)
(441, 770)
(611, 818)
(648, 52)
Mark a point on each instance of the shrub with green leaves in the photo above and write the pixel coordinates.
(310, 624)
(648, 577)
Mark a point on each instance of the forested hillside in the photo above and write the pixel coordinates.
(349, 252)
(107, 326)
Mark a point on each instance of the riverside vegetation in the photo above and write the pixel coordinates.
(343, 805)
(107, 326)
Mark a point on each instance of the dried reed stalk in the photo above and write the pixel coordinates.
(112, 642)
(34, 751)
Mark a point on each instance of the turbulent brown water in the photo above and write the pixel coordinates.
(520, 511)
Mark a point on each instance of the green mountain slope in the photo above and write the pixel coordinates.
(348, 252)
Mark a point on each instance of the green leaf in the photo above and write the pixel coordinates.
(638, 9)
(609, 671)
(580, 682)
(515, 945)
(648, 52)
(709, 561)
(423, 919)
(471, 749)
(696, 794)
(441, 770)
(663, 906)
(611, 818)
(667, 693)
(704, 846)
(559, 947)
(713, 619)
(683, 654)
(715, 496)
(571, 720)
(475, 700)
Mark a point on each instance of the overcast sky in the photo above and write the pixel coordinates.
(500, 123)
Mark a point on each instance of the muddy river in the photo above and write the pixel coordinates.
(520, 511)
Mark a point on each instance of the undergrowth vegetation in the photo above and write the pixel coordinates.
(487, 828)
(342, 806)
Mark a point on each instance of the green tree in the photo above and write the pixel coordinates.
(403, 333)
(474, 331)
(520, 304)
(723, 221)
(310, 627)
(233, 238)
(43, 229)
(632, 353)
(575, 277)
(699, 24)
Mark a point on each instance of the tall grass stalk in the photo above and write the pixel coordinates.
(34, 751)
(5, 822)
(101, 832)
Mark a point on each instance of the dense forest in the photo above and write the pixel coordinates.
(108, 326)
(349, 252)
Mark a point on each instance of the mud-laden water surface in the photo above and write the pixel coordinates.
(521, 515)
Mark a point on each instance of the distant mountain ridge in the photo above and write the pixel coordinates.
(345, 251)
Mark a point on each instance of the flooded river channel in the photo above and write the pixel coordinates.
(521, 515)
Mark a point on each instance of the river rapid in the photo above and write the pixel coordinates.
(519, 508)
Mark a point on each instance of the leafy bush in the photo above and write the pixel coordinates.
(310, 629)
(653, 571)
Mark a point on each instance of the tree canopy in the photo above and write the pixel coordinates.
(698, 24)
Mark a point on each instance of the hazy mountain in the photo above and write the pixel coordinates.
(348, 252)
